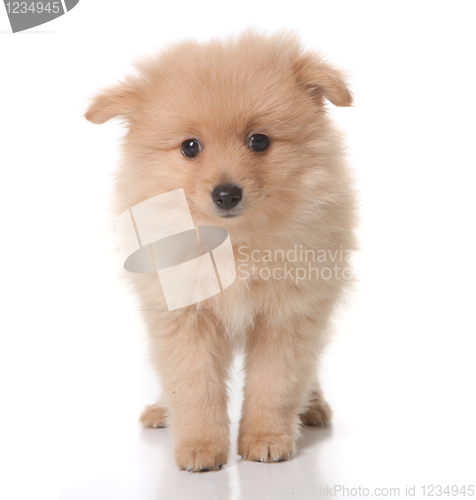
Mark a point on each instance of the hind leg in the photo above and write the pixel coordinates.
(154, 416)
(317, 412)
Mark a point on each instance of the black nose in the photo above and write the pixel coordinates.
(226, 196)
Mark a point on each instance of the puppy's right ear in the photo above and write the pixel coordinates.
(120, 100)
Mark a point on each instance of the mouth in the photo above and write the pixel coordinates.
(229, 216)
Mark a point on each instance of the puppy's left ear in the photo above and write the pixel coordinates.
(118, 101)
(321, 79)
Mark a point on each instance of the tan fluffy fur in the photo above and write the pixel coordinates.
(296, 193)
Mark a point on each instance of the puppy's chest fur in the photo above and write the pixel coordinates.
(262, 291)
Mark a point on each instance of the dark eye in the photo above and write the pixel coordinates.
(191, 148)
(258, 142)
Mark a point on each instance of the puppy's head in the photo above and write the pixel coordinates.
(239, 125)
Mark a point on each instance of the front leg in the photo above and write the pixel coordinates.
(193, 359)
(280, 364)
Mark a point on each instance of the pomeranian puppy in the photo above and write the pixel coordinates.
(241, 126)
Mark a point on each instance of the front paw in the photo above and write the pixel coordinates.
(266, 447)
(200, 455)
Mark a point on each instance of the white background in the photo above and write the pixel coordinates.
(400, 374)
